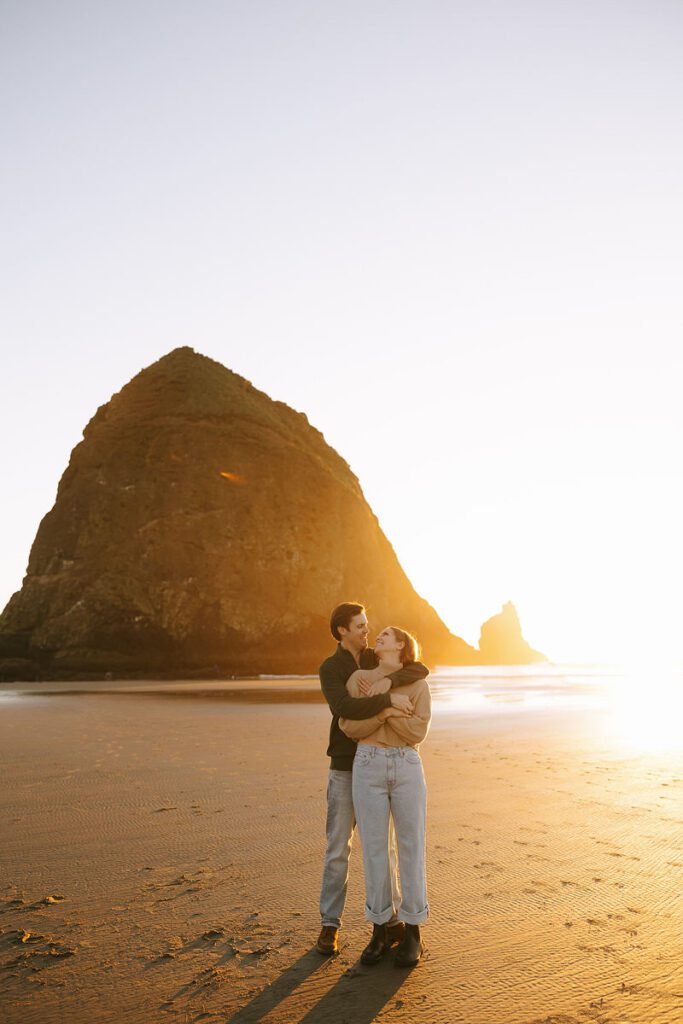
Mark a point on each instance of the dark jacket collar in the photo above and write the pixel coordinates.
(367, 657)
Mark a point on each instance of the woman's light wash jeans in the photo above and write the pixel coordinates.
(341, 822)
(388, 782)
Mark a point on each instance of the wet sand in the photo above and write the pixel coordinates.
(161, 859)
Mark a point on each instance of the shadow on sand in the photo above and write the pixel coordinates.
(356, 997)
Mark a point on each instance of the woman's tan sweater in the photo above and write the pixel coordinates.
(397, 731)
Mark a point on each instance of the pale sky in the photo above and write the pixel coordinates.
(450, 233)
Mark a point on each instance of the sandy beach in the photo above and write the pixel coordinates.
(162, 845)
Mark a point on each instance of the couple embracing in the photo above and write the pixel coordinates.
(381, 710)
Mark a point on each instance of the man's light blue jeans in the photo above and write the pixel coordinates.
(341, 822)
(389, 783)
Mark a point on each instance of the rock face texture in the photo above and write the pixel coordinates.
(501, 641)
(203, 529)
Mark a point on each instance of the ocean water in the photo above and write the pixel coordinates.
(634, 710)
(500, 688)
(637, 708)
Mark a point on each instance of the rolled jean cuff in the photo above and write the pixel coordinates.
(420, 918)
(382, 918)
(327, 922)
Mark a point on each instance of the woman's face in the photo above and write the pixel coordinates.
(388, 644)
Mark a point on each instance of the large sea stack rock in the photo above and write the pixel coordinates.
(202, 528)
(501, 641)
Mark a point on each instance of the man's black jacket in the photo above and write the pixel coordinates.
(334, 674)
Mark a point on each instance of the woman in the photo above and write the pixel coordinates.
(388, 781)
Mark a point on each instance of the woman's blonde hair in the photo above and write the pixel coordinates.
(411, 649)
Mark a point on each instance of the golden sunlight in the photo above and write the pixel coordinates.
(647, 709)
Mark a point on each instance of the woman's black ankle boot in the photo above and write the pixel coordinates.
(411, 948)
(376, 947)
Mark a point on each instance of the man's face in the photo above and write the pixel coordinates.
(356, 636)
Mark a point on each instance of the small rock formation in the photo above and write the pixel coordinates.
(501, 641)
(203, 529)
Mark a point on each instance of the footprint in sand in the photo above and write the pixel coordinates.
(20, 936)
(12, 904)
(45, 953)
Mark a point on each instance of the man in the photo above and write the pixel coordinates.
(349, 626)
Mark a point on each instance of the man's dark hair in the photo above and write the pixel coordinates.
(342, 615)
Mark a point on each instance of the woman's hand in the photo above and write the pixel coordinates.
(368, 688)
(371, 681)
(360, 681)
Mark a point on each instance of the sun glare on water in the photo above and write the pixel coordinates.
(647, 709)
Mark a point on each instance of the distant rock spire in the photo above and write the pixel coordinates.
(501, 641)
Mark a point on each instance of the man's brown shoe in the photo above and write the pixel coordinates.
(395, 933)
(327, 943)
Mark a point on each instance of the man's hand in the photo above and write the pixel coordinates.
(402, 702)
